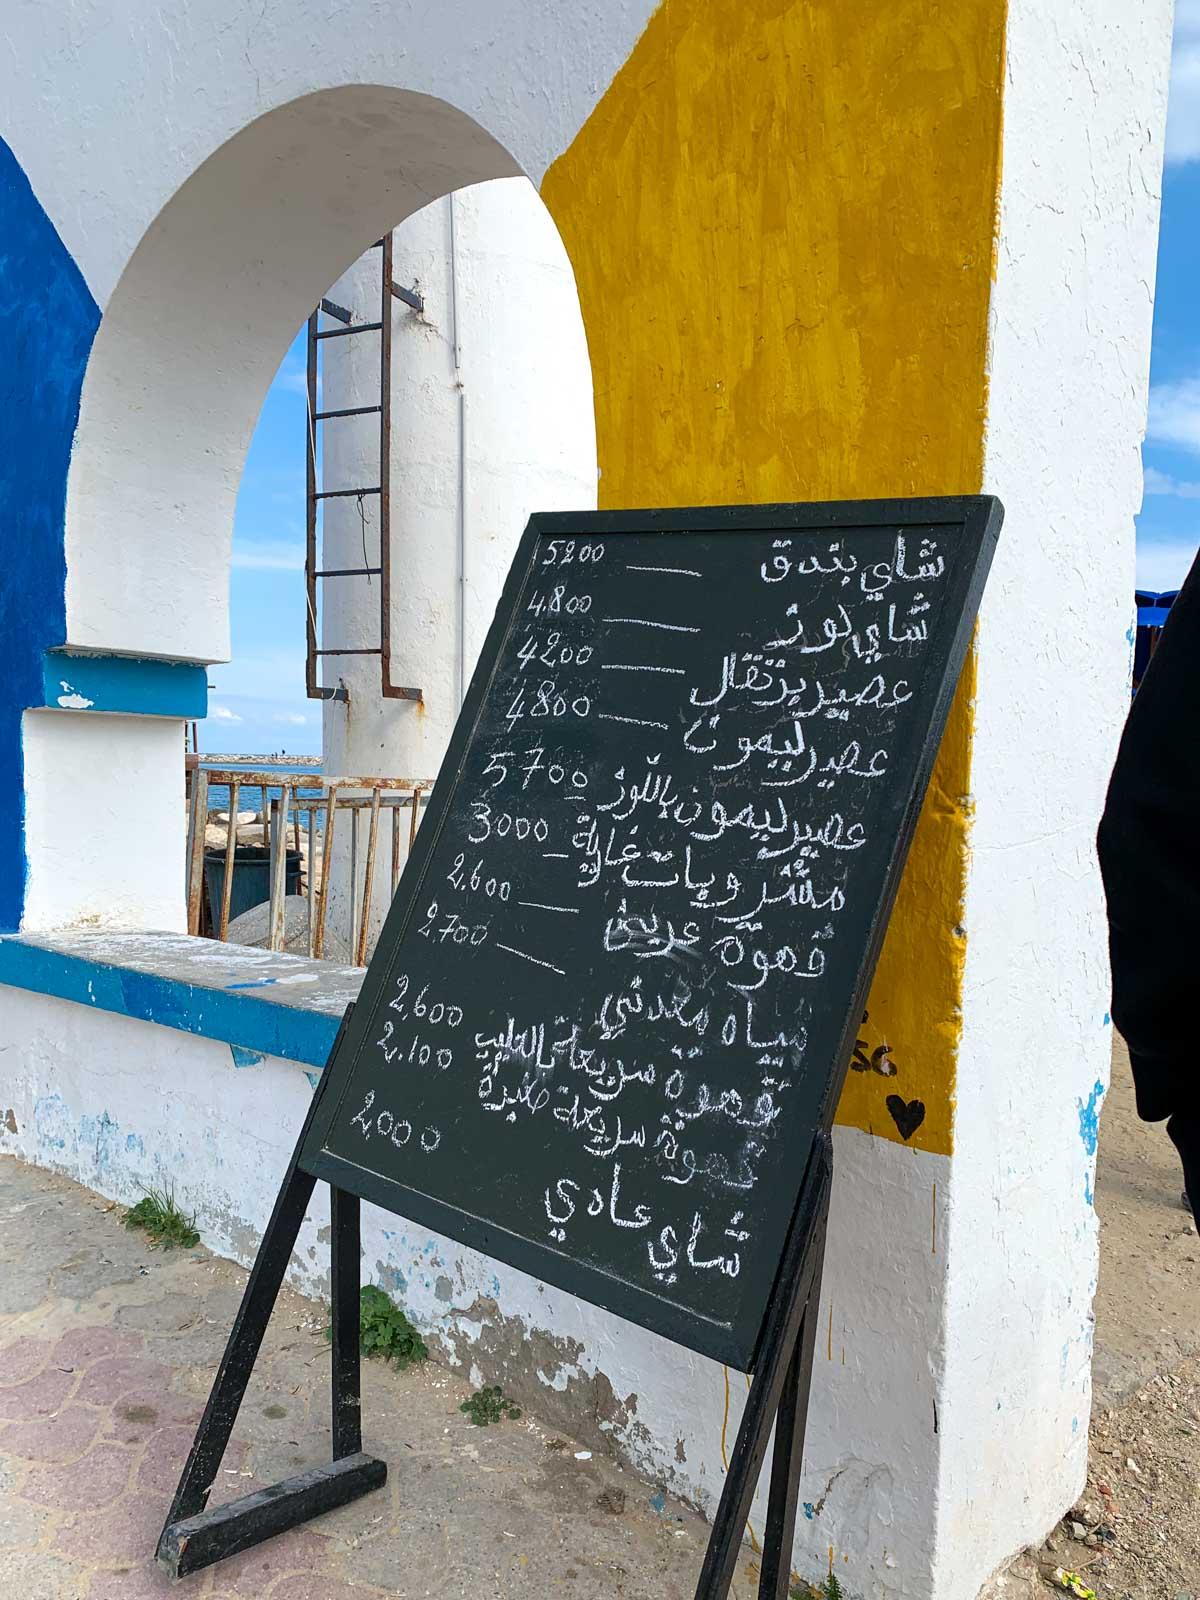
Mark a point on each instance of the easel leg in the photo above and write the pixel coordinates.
(345, 1284)
(241, 1352)
(788, 1461)
(782, 1374)
(193, 1537)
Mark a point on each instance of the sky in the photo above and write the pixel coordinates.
(1169, 526)
(257, 703)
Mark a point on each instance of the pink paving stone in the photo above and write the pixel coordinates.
(164, 1456)
(57, 1438)
(145, 1582)
(139, 1414)
(96, 1479)
(79, 1347)
(36, 1397)
(122, 1534)
(298, 1552)
(107, 1380)
(312, 1586)
(21, 1359)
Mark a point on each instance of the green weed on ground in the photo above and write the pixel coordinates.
(831, 1589)
(385, 1331)
(158, 1216)
(488, 1405)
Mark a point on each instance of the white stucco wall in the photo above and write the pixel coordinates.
(1070, 354)
(105, 822)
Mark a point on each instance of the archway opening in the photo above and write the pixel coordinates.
(480, 369)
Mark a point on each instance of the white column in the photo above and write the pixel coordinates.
(491, 420)
(1071, 315)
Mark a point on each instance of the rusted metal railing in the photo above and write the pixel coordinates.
(293, 802)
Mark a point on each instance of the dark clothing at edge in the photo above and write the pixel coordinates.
(1149, 847)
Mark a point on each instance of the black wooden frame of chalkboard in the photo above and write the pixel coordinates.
(782, 1352)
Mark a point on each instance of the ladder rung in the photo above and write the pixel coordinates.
(348, 652)
(347, 411)
(342, 333)
(332, 309)
(348, 572)
(409, 296)
(344, 494)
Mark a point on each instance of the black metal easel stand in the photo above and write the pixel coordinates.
(194, 1537)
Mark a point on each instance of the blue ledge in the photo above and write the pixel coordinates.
(253, 1000)
(125, 684)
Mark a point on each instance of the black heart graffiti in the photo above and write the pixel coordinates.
(908, 1115)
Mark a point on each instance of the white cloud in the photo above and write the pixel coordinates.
(1163, 563)
(293, 379)
(294, 719)
(1157, 482)
(1175, 414)
(268, 555)
(1183, 112)
(223, 714)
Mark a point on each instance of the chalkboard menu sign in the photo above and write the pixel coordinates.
(615, 996)
(605, 1028)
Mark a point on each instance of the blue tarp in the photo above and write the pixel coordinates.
(1153, 609)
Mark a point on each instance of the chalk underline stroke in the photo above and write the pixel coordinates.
(641, 722)
(525, 956)
(681, 572)
(632, 666)
(644, 622)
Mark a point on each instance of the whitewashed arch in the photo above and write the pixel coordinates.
(194, 332)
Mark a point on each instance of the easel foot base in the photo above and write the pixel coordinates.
(196, 1542)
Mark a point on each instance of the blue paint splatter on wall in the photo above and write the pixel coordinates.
(245, 1058)
(809, 1510)
(49, 327)
(51, 1121)
(392, 1281)
(1089, 1118)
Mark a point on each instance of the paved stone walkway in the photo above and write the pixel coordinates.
(107, 1350)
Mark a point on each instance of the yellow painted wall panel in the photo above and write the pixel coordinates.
(781, 218)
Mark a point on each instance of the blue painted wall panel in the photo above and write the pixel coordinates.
(297, 1033)
(50, 320)
(125, 684)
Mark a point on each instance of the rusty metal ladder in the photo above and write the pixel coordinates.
(313, 572)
